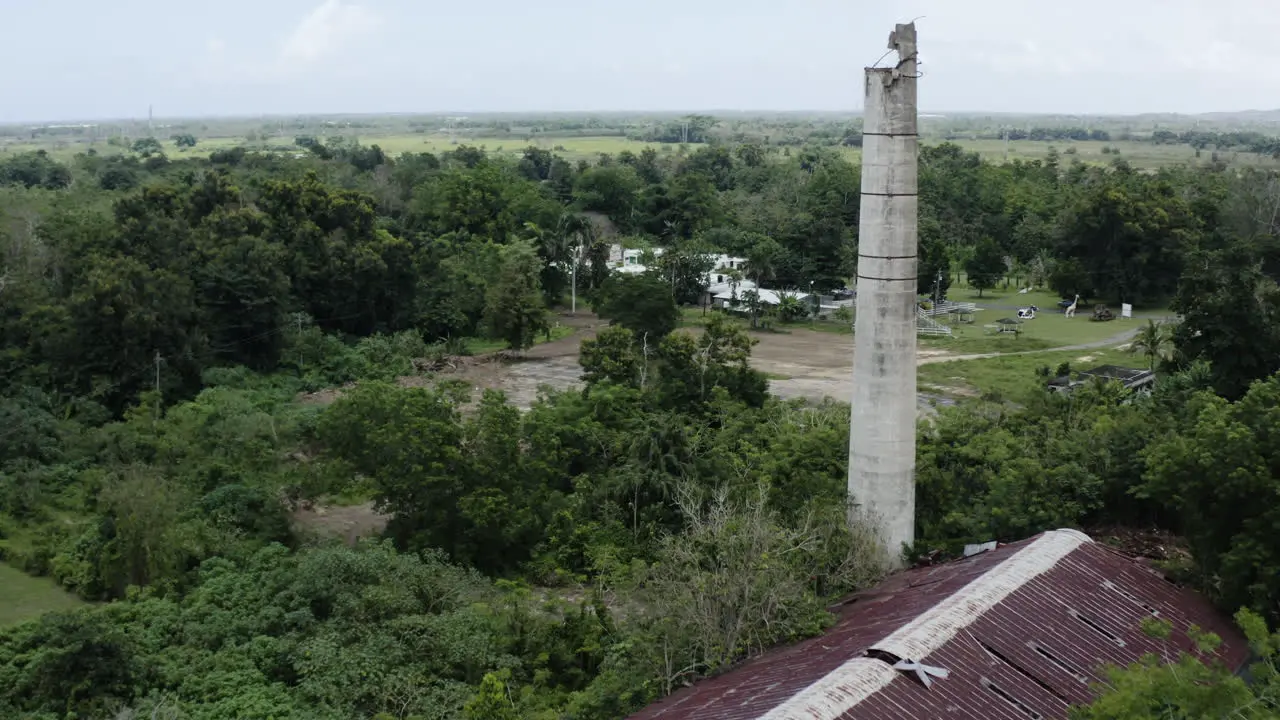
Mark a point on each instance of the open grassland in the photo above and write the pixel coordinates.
(816, 357)
(574, 148)
(1051, 328)
(1139, 154)
(23, 597)
(1012, 377)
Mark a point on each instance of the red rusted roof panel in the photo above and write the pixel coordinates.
(1037, 651)
(768, 679)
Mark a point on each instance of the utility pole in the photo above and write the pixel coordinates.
(882, 437)
(573, 283)
(155, 411)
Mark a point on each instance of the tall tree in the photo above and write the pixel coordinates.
(641, 303)
(1231, 317)
(763, 261)
(1155, 342)
(1213, 475)
(612, 356)
(516, 311)
(1129, 232)
(985, 268)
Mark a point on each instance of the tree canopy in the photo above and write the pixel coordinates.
(200, 356)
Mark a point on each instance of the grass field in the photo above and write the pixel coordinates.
(1139, 154)
(23, 597)
(1012, 377)
(1050, 329)
(1011, 372)
(573, 148)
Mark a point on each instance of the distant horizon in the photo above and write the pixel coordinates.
(247, 58)
(71, 121)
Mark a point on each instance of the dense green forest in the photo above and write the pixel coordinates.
(159, 319)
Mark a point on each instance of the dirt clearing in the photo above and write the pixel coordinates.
(801, 363)
(349, 522)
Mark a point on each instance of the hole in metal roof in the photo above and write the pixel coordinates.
(1131, 597)
(1024, 672)
(998, 691)
(1098, 628)
(921, 671)
(1070, 669)
(882, 655)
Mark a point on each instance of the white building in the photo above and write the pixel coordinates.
(717, 280)
(728, 262)
(633, 256)
(767, 297)
(720, 284)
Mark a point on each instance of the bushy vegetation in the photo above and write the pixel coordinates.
(159, 319)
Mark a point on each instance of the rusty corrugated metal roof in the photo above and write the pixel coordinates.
(1021, 629)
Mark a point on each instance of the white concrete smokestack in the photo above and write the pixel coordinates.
(882, 437)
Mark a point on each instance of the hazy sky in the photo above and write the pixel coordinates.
(81, 59)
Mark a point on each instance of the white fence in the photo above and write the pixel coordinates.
(926, 325)
(946, 307)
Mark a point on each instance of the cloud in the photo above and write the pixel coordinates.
(329, 27)
(332, 27)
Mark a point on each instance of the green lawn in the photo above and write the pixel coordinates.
(1044, 332)
(1013, 377)
(23, 597)
(1050, 328)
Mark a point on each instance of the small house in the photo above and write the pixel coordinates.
(772, 298)
(1133, 379)
(721, 288)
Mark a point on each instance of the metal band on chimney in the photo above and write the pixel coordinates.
(913, 278)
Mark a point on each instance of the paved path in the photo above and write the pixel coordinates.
(1117, 339)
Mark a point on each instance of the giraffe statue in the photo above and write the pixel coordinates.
(1071, 309)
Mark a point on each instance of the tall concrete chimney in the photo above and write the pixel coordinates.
(882, 437)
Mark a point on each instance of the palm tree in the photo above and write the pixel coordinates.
(735, 279)
(762, 261)
(1155, 340)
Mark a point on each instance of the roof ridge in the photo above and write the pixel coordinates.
(834, 694)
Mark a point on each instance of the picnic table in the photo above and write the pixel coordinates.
(1004, 325)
